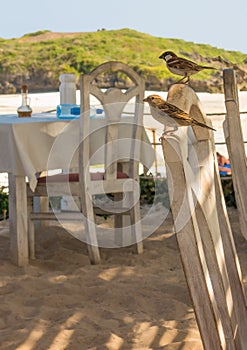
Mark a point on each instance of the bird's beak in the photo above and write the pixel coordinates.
(161, 56)
(145, 100)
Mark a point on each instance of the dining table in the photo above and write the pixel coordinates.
(42, 142)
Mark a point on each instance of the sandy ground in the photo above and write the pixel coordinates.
(128, 302)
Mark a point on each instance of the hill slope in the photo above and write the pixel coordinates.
(38, 59)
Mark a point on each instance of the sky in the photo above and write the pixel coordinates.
(220, 23)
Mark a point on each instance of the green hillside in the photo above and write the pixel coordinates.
(39, 58)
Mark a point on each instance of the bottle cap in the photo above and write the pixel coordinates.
(24, 88)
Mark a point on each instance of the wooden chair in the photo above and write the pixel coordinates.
(203, 231)
(118, 140)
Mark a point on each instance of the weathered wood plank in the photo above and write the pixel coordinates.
(18, 223)
(188, 248)
(235, 145)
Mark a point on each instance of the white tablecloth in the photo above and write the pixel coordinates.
(44, 142)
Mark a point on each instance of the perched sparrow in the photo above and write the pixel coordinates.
(181, 66)
(170, 115)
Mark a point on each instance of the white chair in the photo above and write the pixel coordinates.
(113, 141)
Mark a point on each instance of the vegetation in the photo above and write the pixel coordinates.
(46, 54)
(4, 202)
(154, 190)
(228, 192)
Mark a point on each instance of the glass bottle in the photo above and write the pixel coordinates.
(24, 110)
(67, 89)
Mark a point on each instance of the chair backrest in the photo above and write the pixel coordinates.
(202, 229)
(117, 134)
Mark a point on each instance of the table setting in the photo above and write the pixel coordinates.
(45, 142)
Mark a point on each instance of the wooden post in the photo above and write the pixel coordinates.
(202, 229)
(235, 146)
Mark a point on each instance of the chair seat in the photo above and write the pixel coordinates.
(74, 177)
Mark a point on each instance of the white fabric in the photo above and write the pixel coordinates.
(44, 142)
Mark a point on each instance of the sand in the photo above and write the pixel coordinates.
(129, 301)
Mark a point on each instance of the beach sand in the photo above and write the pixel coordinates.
(128, 302)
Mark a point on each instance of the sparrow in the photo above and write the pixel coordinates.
(170, 115)
(181, 66)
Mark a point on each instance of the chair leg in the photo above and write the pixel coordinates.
(94, 255)
(118, 225)
(135, 218)
(44, 207)
(92, 247)
(31, 231)
(90, 230)
(31, 239)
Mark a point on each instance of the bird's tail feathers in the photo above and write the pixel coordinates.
(207, 67)
(203, 125)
